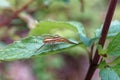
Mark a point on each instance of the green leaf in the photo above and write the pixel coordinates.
(114, 29)
(101, 50)
(108, 74)
(114, 46)
(53, 27)
(115, 65)
(102, 65)
(116, 68)
(66, 29)
(82, 34)
(4, 4)
(115, 61)
(28, 47)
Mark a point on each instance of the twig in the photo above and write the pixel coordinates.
(31, 22)
(7, 21)
(96, 58)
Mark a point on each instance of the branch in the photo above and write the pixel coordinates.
(106, 25)
(31, 22)
(16, 13)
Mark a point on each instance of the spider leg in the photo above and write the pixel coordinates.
(52, 45)
(40, 47)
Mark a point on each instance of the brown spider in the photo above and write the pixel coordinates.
(53, 39)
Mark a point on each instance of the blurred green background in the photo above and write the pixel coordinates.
(17, 18)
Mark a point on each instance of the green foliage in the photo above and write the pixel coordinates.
(115, 65)
(114, 46)
(101, 51)
(116, 61)
(73, 31)
(67, 29)
(113, 30)
(28, 47)
(52, 27)
(113, 50)
(102, 65)
(116, 68)
(108, 74)
(82, 34)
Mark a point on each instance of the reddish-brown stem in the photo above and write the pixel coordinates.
(7, 21)
(106, 25)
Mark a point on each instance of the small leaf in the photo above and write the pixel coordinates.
(114, 29)
(114, 46)
(116, 68)
(115, 65)
(101, 51)
(108, 74)
(102, 65)
(28, 47)
(66, 29)
(53, 27)
(115, 61)
(81, 32)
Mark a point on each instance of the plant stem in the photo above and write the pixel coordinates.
(106, 25)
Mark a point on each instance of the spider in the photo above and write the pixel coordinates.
(53, 39)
